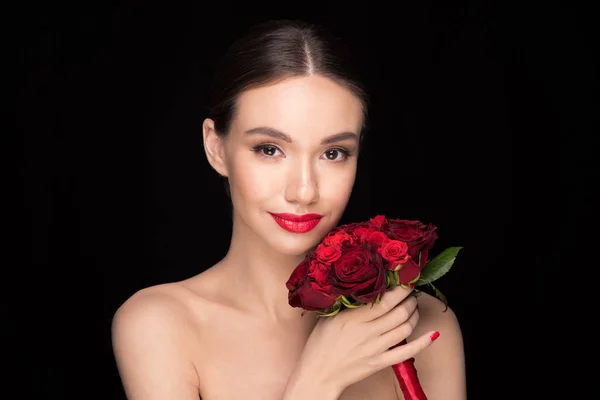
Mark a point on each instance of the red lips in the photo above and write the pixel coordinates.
(297, 223)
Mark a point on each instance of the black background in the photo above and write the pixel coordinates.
(481, 123)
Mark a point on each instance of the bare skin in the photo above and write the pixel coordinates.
(229, 332)
(229, 352)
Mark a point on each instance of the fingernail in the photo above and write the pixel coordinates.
(434, 336)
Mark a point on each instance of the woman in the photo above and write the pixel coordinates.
(284, 130)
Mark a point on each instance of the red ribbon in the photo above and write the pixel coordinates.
(408, 379)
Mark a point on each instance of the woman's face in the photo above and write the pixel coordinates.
(292, 149)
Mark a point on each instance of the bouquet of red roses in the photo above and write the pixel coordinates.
(355, 264)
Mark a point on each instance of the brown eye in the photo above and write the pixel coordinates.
(331, 154)
(337, 154)
(266, 150)
(269, 150)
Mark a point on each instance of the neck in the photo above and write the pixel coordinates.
(258, 274)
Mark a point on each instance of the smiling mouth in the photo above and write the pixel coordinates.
(297, 223)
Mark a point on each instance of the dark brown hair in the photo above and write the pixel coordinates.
(275, 50)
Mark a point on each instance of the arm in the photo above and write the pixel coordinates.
(301, 386)
(148, 343)
(441, 366)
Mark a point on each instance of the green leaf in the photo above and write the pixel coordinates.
(439, 295)
(415, 293)
(337, 306)
(378, 299)
(350, 304)
(392, 279)
(396, 278)
(354, 305)
(439, 266)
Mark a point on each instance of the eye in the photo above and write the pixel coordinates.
(266, 150)
(337, 154)
(270, 151)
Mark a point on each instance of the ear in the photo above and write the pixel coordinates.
(213, 147)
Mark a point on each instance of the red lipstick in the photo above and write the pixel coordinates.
(297, 223)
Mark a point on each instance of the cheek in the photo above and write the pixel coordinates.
(337, 186)
(253, 180)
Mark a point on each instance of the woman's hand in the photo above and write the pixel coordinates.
(355, 343)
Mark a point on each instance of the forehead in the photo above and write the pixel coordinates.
(300, 106)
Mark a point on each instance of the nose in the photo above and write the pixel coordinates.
(302, 186)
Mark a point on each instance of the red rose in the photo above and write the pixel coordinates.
(375, 238)
(319, 272)
(409, 272)
(418, 236)
(348, 229)
(302, 292)
(378, 221)
(362, 232)
(394, 251)
(338, 238)
(370, 235)
(359, 274)
(328, 254)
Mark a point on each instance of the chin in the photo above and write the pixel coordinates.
(296, 248)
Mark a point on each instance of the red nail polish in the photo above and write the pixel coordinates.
(434, 336)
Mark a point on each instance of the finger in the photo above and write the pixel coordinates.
(395, 317)
(389, 300)
(398, 333)
(404, 352)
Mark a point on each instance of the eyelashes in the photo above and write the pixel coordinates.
(260, 148)
(344, 152)
(269, 150)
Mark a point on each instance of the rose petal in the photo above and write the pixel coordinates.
(409, 271)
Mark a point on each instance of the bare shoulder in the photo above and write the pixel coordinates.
(435, 313)
(150, 336)
(441, 366)
(182, 304)
(153, 307)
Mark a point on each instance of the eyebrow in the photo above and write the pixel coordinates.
(338, 137)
